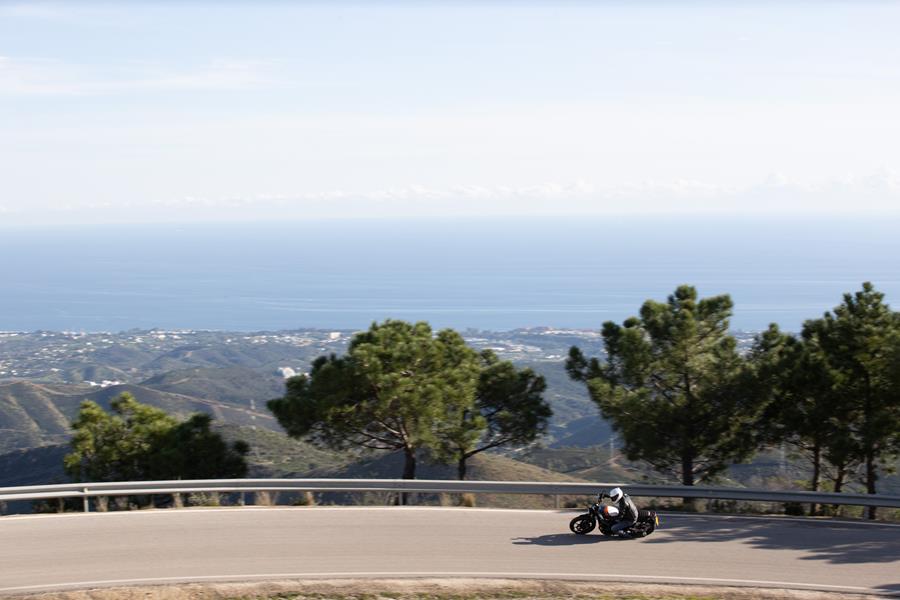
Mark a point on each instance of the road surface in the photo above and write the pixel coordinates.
(53, 552)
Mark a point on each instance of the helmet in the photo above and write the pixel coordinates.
(616, 494)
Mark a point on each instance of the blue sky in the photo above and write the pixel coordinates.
(170, 111)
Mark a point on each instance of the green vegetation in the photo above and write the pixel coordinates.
(675, 387)
(396, 382)
(837, 388)
(509, 409)
(804, 412)
(686, 402)
(859, 344)
(140, 442)
(402, 388)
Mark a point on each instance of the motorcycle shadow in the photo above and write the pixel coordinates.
(563, 539)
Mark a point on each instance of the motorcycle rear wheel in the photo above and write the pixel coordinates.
(582, 524)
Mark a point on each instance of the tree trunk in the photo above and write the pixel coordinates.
(838, 484)
(409, 472)
(409, 464)
(687, 449)
(871, 478)
(814, 482)
(687, 478)
(839, 479)
(868, 438)
(461, 468)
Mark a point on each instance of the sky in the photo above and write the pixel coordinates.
(234, 111)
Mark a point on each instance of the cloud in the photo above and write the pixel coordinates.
(873, 194)
(32, 10)
(48, 77)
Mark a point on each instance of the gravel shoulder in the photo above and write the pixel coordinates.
(437, 589)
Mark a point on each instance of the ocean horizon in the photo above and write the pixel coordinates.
(489, 273)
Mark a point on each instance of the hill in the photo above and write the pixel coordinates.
(274, 454)
(212, 356)
(241, 386)
(34, 415)
(30, 416)
(229, 375)
(582, 432)
(482, 467)
(568, 398)
(36, 466)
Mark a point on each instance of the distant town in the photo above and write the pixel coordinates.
(68, 357)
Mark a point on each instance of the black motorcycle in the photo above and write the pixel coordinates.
(605, 516)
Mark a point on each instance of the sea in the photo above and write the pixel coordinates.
(467, 273)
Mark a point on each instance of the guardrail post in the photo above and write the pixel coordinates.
(556, 500)
(87, 501)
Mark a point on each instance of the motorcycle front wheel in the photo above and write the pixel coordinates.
(582, 524)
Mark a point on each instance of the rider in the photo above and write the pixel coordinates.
(628, 512)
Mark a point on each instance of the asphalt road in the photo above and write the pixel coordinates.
(50, 552)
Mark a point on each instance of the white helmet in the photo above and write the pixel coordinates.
(616, 494)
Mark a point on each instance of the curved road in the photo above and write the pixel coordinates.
(52, 552)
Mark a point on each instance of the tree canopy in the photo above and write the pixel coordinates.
(140, 442)
(393, 388)
(803, 409)
(401, 387)
(858, 344)
(675, 387)
(509, 409)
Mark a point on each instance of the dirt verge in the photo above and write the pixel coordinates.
(436, 589)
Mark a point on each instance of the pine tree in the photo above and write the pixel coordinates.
(140, 442)
(392, 391)
(803, 409)
(858, 344)
(675, 387)
(509, 409)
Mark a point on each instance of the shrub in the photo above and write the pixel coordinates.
(467, 500)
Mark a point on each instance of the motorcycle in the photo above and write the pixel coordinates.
(604, 516)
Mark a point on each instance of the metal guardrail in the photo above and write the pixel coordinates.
(139, 488)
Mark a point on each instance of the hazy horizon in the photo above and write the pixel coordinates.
(172, 112)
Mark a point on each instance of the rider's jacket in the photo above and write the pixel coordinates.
(627, 510)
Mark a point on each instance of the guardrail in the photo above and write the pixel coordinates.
(140, 488)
